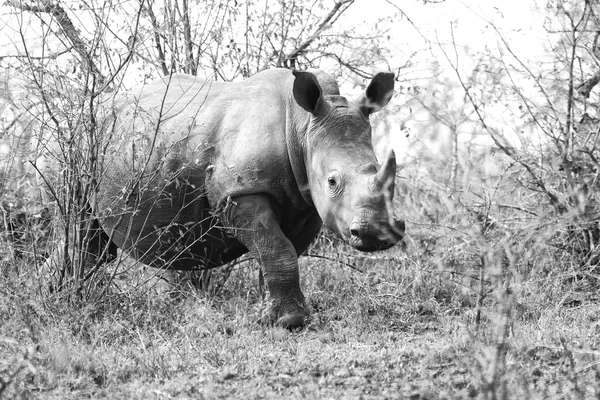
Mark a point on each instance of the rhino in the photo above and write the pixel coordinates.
(196, 173)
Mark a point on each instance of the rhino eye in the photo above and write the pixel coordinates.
(334, 183)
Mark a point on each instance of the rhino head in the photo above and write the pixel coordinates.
(351, 191)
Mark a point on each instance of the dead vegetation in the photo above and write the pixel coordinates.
(393, 325)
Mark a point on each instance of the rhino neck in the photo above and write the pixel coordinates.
(297, 123)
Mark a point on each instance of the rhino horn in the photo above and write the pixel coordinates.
(385, 177)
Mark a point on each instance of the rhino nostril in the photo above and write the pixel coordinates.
(400, 225)
(355, 229)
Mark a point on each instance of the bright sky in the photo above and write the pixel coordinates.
(469, 20)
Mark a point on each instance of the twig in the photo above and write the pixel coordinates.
(325, 23)
(586, 87)
(354, 267)
(481, 294)
(54, 194)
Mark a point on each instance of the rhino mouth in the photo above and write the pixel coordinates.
(361, 245)
(370, 245)
(368, 242)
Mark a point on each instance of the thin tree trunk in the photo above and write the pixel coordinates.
(190, 65)
(157, 42)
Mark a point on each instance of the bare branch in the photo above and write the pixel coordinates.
(586, 87)
(52, 56)
(408, 19)
(68, 29)
(325, 23)
(351, 67)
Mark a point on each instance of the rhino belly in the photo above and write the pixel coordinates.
(171, 229)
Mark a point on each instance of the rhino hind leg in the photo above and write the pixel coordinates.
(255, 225)
(99, 245)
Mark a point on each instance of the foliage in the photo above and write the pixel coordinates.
(548, 145)
(496, 295)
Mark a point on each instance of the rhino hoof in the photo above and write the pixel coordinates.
(288, 321)
(292, 321)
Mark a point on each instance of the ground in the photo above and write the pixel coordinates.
(383, 326)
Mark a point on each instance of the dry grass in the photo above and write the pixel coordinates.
(394, 327)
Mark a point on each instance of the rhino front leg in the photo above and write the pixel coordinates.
(256, 226)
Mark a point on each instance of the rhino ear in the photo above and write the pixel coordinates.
(308, 93)
(378, 93)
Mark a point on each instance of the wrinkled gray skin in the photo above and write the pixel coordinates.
(197, 173)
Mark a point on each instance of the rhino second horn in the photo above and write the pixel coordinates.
(387, 173)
